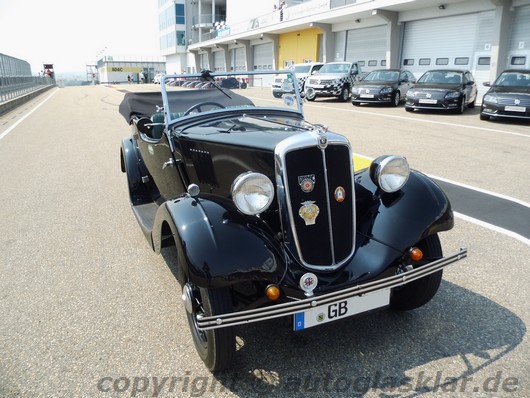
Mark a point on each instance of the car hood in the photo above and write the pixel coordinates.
(375, 84)
(508, 90)
(328, 76)
(436, 87)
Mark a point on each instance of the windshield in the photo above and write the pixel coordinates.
(186, 96)
(513, 79)
(382, 76)
(335, 68)
(441, 77)
(301, 68)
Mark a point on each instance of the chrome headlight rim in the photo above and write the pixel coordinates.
(252, 193)
(390, 173)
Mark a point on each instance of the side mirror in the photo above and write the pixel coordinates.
(149, 129)
(470, 83)
(487, 84)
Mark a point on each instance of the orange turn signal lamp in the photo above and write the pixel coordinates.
(415, 254)
(273, 292)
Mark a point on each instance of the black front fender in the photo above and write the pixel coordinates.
(216, 245)
(404, 218)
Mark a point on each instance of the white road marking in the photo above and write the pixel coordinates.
(25, 116)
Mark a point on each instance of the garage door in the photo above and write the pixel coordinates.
(219, 60)
(263, 61)
(367, 46)
(238, 59)
(519, 50)
(439, 43)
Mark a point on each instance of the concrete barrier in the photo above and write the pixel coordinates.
(15, 102)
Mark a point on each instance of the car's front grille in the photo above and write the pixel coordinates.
(320, 199)
(518, 101)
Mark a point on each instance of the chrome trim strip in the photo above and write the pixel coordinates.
(284, 309)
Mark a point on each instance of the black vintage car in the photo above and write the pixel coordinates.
(508, 96)
(382, 86)
(268, 217)
(443, 89)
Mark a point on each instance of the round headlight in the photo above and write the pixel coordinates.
(252, 193)
(390, 173)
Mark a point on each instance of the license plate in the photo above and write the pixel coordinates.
(341, 309)
(515, 108)
(428, 101)
(318, 86)
(367, 96)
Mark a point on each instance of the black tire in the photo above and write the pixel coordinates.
(409, 109)
(277, 94)
(471, 105)
(421, 291)
(396, 99)
(484, 117)
(344, 94)
(462, 106)
(310, 94)
(215, 347)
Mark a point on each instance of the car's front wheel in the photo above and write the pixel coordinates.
(344, 94)
(419, 292)
(462, 106)
(397, 99)
(215, 347)
(484, 117)
(277, 94)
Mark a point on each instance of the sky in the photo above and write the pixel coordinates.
(73, 33)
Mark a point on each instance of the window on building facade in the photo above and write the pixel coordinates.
(408, 62)
(180, 14)
(461, 61)
(372, 62)
(442, 61)
(484, 60)
(425, 61)
(518, 61)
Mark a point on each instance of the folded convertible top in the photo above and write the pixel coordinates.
(145, 104)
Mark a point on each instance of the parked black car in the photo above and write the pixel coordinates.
(382, 86)
(269, 219)
(443, 89)
(508, 96)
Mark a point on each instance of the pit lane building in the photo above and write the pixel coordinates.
(484, 36)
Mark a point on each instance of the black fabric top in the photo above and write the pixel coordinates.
(145, 104)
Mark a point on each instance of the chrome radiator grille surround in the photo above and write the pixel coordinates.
(314, 173)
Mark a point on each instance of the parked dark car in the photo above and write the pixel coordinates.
(443, 89)
(230, 82)
(508, 96)
(267, 216)
(382, 86)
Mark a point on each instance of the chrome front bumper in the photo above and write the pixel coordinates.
(291, 308)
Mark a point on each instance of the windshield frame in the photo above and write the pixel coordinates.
(295, 99)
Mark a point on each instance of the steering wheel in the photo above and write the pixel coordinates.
(200, 105)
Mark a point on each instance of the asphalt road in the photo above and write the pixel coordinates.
(87, 310)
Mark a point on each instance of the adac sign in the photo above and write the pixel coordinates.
(117, 69)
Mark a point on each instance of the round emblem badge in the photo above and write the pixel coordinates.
(340, 194)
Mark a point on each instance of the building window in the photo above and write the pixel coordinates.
(361, 63)
(383, 62)
(484, 60)
(372, 62)
(180, 14)
(442, 61)
(461, 61)
(518, 61)
(425, 61)
(408, 62)
(181, 38)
